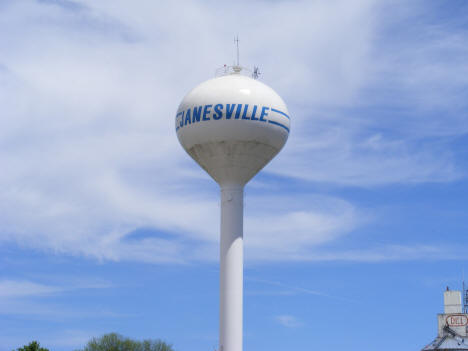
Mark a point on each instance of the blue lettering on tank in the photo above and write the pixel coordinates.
(196, 114)
(206, 111)
(182, 119)
(264, 113)
(218, 111)
(244, 115)
(229, 110)
(177, 120)
(254, 112)
(187, 118)
(238, 111)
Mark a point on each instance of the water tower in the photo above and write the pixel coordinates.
(232, 126)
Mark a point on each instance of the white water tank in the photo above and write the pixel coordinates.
(232, 126)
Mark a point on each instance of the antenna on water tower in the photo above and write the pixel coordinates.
(236, 40)
(256, 72)
(232, 126)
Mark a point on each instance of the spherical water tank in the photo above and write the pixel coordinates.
(232, 126)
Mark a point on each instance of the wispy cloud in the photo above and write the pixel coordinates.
(14, 289)
(385, 253)
(347, 157)
(287, 289)
(288, 321)
(33, 298)
(57, 339)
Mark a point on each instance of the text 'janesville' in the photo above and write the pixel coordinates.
(228, 111)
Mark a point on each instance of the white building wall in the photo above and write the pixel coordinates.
(452, 301)
(458, 322)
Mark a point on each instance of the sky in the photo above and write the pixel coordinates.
(351, 233)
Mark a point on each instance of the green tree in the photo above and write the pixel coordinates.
(116, 342)
(33, 346)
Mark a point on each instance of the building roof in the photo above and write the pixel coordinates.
(449, 341)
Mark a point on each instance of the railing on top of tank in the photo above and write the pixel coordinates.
(227, 70)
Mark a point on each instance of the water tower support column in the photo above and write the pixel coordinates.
(231, 268)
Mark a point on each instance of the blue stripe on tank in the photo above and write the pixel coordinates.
(279, 124)
(280, 112)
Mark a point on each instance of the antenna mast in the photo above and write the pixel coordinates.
(236, 40)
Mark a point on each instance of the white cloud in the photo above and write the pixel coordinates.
(339, 156)
(14, 289)
(385, 253)
(88, 94)
(424, 65)
(53, 339)
(70, 338)
(276, 232)
(38, 299)
(287, 289)
(19, 289)
(288, 321)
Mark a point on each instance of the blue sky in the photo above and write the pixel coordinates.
(351, 233)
